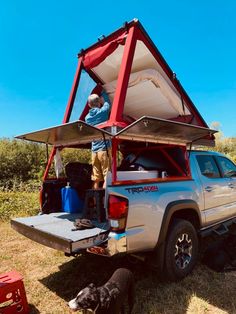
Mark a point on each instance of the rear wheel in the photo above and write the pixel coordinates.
(181, 250)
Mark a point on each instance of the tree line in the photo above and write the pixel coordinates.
(24, 162)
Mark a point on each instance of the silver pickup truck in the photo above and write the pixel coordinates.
(168, 217)
(158, 208)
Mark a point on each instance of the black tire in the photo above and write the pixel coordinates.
(181, 252)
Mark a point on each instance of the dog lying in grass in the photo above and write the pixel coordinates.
(109, 298)
(220, 255)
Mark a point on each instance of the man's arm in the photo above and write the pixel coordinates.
(106, 105)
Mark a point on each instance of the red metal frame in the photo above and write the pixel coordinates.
(148, 181)
(123, 30)
(123, 78)
(162, 148)
(140, 34)
(174, 163)
(73, 91)
(134, 31)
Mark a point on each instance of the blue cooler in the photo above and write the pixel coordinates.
(71, 203)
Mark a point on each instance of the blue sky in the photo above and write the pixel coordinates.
(39, 42)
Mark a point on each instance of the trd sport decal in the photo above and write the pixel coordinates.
(143, 189)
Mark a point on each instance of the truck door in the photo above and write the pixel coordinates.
(228, 170)
(217, 193)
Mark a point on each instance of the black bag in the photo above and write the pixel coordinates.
(78, 174)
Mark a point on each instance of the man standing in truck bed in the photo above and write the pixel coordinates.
(101, 150)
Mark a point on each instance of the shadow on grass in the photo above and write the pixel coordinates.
(81, 271)
(33, 309)
(152, 296)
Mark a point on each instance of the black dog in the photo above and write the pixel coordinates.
(220, 255)
(110, 297)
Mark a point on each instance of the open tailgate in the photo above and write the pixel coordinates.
(55, 231)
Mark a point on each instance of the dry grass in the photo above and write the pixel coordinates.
(51, 279)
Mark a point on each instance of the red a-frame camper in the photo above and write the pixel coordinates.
(139, 83)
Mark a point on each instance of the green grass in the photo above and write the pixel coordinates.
(51, 279)
(14, 203)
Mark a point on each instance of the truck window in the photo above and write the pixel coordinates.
(208, 166)
(228, 168)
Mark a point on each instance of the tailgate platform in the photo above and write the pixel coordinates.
(55, 231)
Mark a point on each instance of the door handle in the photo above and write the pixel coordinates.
(208, 188)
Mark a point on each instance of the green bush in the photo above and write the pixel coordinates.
(226, 145)
(18, 204)
(73, 154)
(22, 165)
(23, 162)
(20, 162)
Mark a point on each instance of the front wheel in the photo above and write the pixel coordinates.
(181, 251)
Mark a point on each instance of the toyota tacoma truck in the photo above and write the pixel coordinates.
(161, 195)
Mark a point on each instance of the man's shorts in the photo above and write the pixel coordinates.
(101, 165)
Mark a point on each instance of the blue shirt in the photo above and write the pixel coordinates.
(97, 116)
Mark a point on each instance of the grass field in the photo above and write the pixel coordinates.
(51, 280)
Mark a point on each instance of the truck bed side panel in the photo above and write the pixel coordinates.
(147, 204)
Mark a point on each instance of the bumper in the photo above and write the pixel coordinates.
(116, 244)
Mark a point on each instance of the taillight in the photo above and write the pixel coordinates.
(117, 212)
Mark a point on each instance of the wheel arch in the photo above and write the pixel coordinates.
(183, 209)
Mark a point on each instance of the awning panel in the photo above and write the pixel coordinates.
(146, 129)
(156, 130)
(67, 134)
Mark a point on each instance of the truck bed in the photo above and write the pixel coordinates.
(55, 230)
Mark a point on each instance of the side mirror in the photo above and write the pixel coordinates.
(230, 174)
